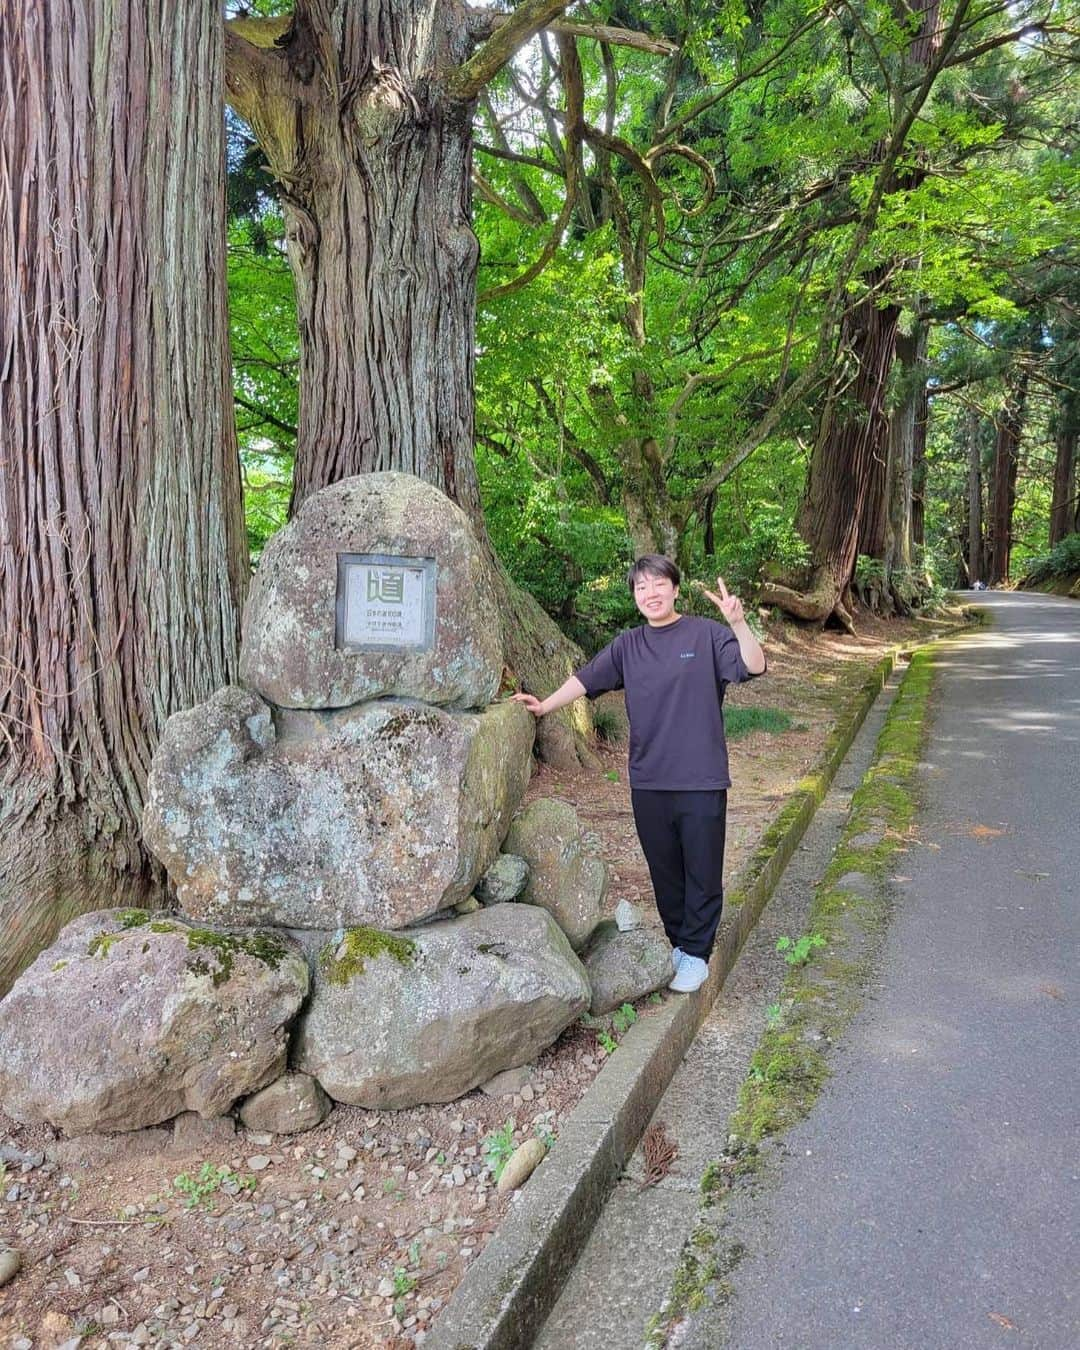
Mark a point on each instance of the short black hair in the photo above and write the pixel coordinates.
(652, 565)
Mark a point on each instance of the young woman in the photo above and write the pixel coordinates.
(674, 669)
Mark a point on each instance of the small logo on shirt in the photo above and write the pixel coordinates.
(686, 656)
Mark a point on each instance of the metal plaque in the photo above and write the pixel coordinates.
(385, 603)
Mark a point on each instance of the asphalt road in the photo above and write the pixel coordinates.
(932, 1197)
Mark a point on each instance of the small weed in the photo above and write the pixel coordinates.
(796, 951)
(607, 1041)
(656, 997)
(773, 1015)
(624, 1018)
(440, 1158)
(198, 1189)
(544, 1134)
(414, 1252)
(497, 1148)
(612, 775)
(389, 1185)
(404, 1283)
(607, 725)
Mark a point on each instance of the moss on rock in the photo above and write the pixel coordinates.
(342, 961)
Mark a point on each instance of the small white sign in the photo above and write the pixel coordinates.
(385, 602)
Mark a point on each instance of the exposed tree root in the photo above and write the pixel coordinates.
(816, 606)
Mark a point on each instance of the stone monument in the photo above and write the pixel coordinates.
(314, 821)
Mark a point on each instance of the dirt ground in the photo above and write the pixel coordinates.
(356, 1233)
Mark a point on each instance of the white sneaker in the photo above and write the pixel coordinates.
(691, 975)
(676, 957)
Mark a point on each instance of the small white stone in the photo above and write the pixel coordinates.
(627, 916)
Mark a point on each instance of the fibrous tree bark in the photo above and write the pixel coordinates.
(364, 110)
(847, 470)
(907, 437)
(1065, 501)
(976, 561)
(1010, 424)
(121, 531)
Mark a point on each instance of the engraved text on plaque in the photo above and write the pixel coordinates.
(385, 603)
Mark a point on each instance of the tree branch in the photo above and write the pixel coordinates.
(264, 417)
(484, 22)
(526, 21)
(574, 84)
(512, 155)
(640, 165)
(488, 193)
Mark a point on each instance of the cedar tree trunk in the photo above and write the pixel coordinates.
(1006, 463)
(847, 465)
(976, 550)
(907, 426)
(1063, 505)
(121, 530)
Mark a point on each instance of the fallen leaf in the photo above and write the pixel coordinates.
(1052, 990)
(984, 832)
(1003, 1322)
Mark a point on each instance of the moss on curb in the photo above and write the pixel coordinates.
(818, 999)
(342, 961)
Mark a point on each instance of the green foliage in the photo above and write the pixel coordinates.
(199, 1190)
(1063, 560)
(498, 1148)
(624, 1018)
(797, 951)
(631, 371)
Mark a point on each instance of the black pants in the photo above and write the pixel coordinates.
(682, 836)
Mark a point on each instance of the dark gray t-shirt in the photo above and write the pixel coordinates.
(674, 677)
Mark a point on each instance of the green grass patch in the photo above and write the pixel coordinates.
(742, 721)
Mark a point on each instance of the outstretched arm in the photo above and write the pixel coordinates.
(566, 693)
(730, 606)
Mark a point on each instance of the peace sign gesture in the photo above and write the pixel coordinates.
(730, 606)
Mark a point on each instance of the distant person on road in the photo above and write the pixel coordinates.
(674, 669)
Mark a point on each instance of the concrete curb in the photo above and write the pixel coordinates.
(507, 1293)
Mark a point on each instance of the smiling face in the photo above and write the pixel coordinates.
(655, 597)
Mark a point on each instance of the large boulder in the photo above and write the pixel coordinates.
(130, 1018)
(624, 966)
(565, 877)
(397, 1019)
(289, 651)
(381, 814)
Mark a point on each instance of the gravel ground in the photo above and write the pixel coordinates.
(354, 1234)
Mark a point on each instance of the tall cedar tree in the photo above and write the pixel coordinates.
(121, 530)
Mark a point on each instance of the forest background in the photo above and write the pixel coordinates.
(685, 303)
(787, 290)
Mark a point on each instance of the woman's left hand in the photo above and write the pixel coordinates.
(730, 606)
